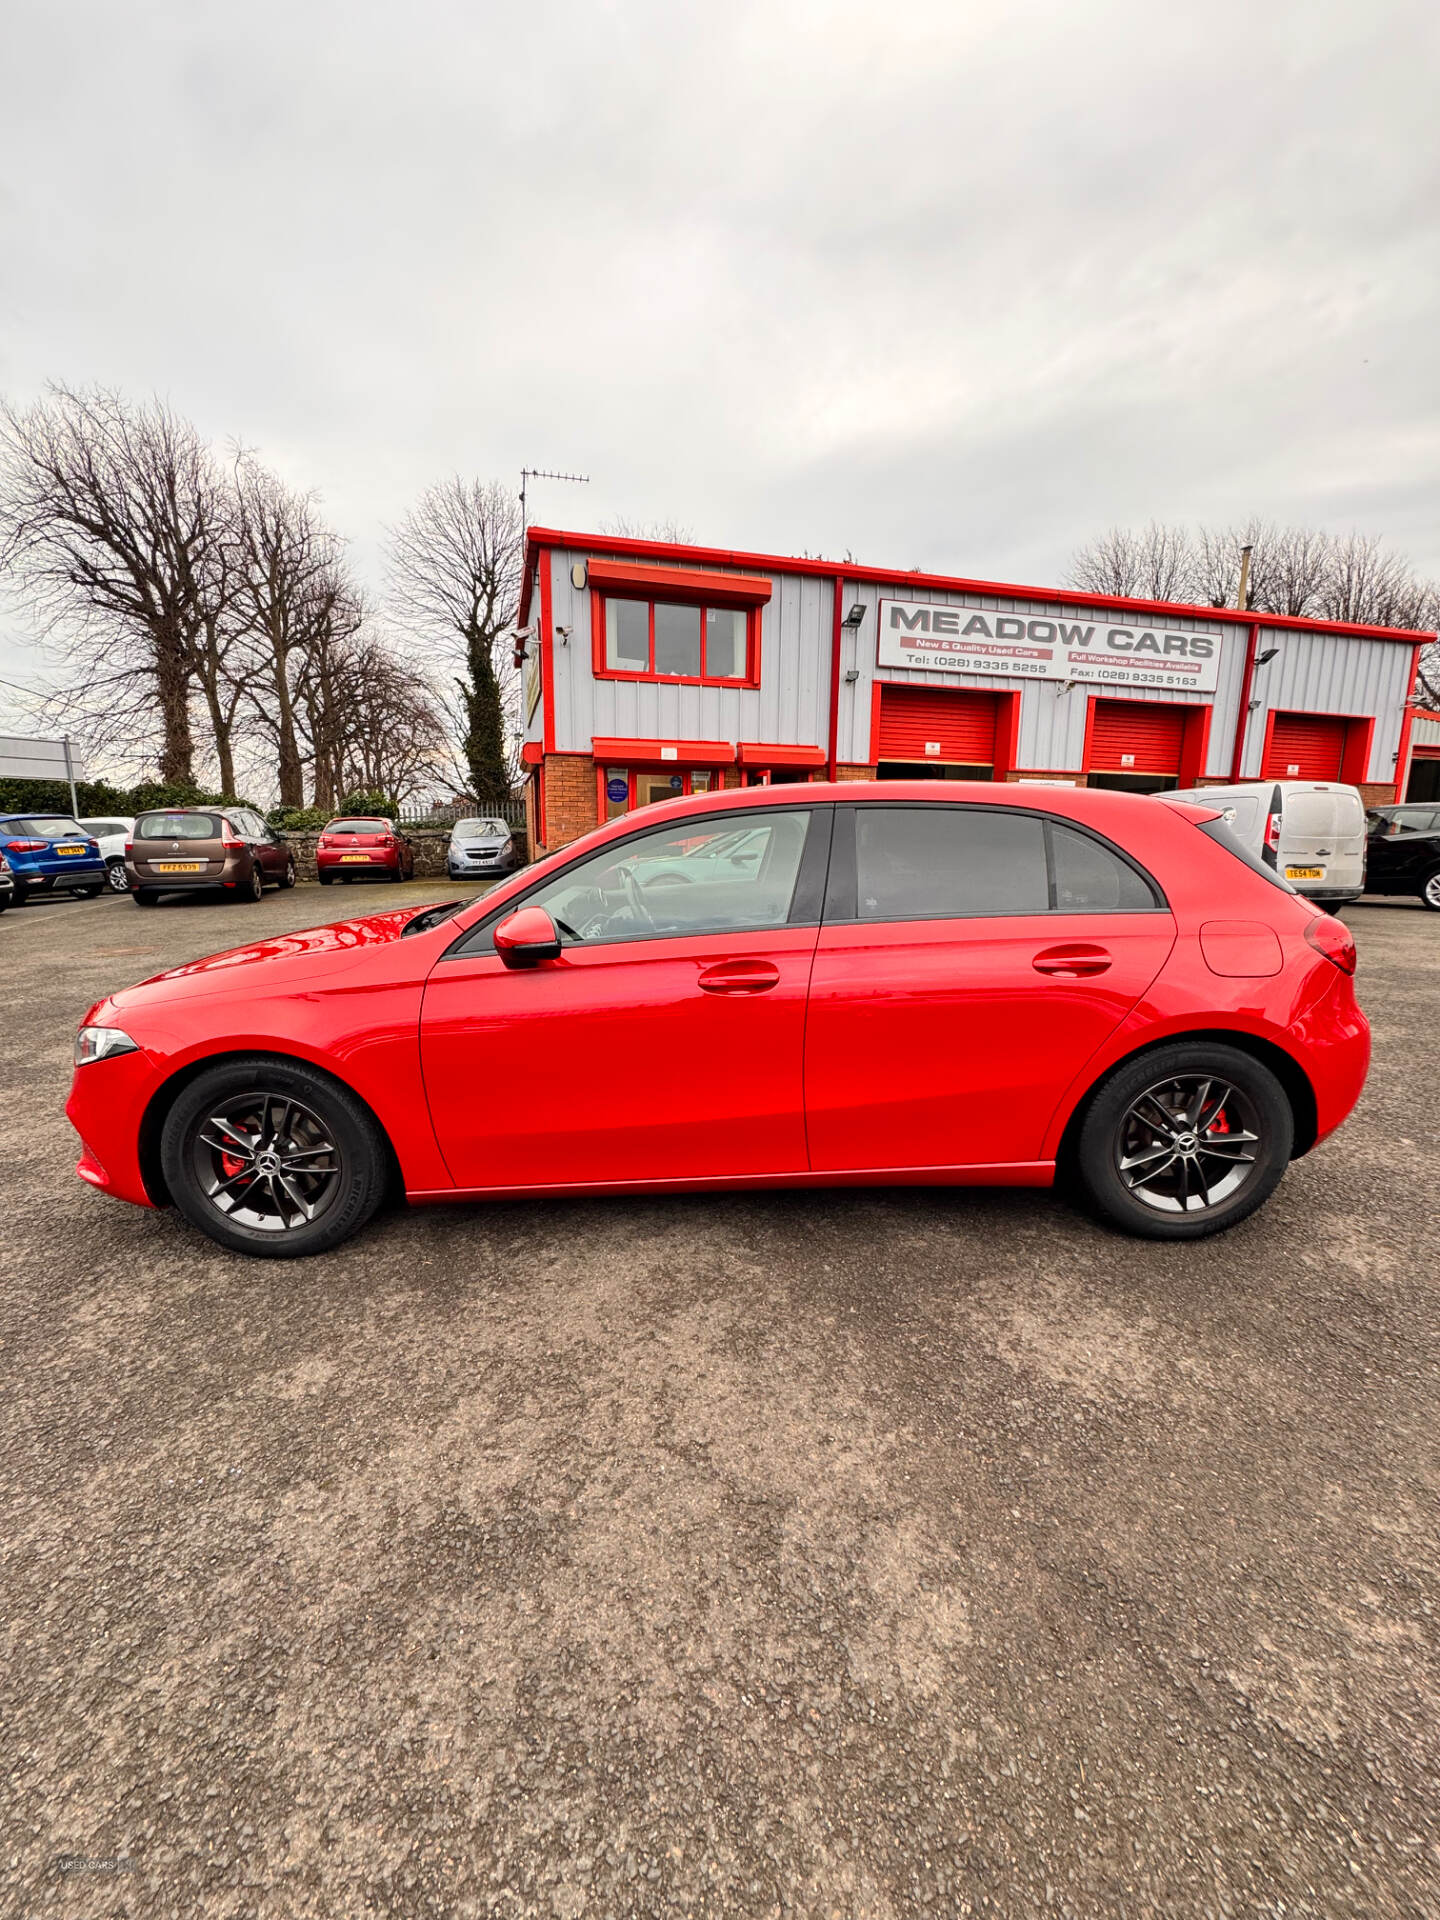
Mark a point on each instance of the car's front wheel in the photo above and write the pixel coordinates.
(272, 1158)
(1430, 891)
(1185, 1141)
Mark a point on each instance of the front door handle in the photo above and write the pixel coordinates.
(1071, 963)
(739, 976)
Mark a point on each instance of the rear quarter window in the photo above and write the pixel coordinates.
(1224, 835)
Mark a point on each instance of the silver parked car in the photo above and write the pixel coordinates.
(484, 845)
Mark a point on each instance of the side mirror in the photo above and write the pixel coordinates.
(527, 937)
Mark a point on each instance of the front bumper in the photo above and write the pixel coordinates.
(107, 1104)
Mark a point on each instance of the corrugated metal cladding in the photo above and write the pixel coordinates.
(1137, 736)
(1052, 720)
(1333, 673)
(917, 723)
(1425, 733)
(790, 707)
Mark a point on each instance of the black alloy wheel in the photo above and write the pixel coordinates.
(1185, 1141)
(273, 1158)
(1430, 891)
(252, 889)
(287, 879)
(116, 877)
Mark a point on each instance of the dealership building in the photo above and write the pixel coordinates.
(653, 669)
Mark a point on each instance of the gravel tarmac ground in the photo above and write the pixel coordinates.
(868, 1553)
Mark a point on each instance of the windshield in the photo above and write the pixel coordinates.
(45, 826)
(481, 827)
(358, 826)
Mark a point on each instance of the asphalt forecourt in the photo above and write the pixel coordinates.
(865, 1553)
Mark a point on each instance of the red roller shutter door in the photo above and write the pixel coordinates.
(1305, 746)
(918, 723)
(1137, 736)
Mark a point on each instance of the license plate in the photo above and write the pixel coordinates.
(179, 866)
(346, 858)
(1304, 873)
(69, 849)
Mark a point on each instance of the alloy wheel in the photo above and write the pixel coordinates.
(267, 1161)
(116, 877)
(1187, 1144)
(1432, 890)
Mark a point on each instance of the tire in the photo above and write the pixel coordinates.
(291, 1104)
(287, 879)
(1166, 1082)
(143, 897)
(325, 879)
(1430, 891)
(252, 890)
(116, 877)
(22, 894)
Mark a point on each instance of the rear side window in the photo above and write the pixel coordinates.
(1224, 835)
(178, 826)
(940, 863)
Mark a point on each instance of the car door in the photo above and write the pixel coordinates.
(667, 1040)
(971, 961)
(1404, 847)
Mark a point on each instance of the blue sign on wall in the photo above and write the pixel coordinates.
(617, 790)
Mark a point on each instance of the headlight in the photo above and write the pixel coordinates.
(98, 1043)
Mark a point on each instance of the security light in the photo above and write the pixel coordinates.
(854, 616)
(852, 676)
(1268, 654)
(564, 633)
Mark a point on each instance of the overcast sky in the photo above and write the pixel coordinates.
(943, 284)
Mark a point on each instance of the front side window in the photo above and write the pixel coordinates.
(734, 873)
(665, 641)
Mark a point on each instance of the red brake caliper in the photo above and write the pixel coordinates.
(230, 1165)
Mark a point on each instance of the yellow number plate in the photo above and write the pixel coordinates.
(69, 849)
(354, 856)
(1304, 873)
(179, 866)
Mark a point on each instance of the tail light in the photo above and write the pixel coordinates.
(26, 846)
(1332, 938)
(231, 840)
(1272, 839)
(129, 848)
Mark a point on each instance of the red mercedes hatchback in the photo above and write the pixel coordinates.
(788, 986)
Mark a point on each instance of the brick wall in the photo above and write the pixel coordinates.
(569, 808)
(843, 772)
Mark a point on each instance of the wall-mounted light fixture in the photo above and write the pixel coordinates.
(1263, 659)
(854, 616)
(564, 633)
(852, 676)
(1069, 686)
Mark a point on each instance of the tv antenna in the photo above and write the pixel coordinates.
(528, 474)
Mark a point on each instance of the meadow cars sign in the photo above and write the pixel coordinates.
(1045, 646)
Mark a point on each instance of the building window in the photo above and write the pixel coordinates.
(662, 640)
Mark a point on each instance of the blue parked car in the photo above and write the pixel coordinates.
(49, 853)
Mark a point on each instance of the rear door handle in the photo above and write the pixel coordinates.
(740, 976)
(1072, 963)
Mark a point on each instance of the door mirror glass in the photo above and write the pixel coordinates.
(527, 937)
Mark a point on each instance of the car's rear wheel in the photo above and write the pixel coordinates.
(143, 897)
(1430, 891)
(272, 1158)
(253, 888)
(287, 879)
(1185, 1141)
(116, 877)
(324, 878)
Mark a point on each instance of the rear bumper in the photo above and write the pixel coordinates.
(1332, 1042)
(229, 874)
(381, 859)
(75, 873)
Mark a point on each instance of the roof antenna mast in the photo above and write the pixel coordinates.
(528, 474)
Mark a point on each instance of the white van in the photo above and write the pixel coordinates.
(1311, 831)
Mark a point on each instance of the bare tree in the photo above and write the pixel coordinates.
(624, 528)
(290, 594)
(109, 515)
(455, 569)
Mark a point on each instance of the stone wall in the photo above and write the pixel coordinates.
(429, 844)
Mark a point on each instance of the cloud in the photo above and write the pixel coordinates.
(945, 284)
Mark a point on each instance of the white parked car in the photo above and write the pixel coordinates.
(483, 845)
(1312, 832)
(112, 831)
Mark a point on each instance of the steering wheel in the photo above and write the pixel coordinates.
(634, 899)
